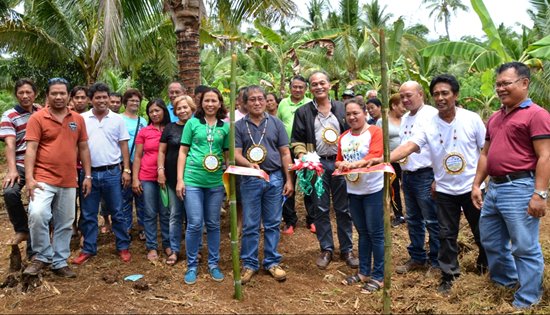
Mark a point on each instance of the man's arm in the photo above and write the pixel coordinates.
(12, 176)
(286, 160)
(397, 154)
(537, 205)
(30, 160)
(86, 167)
(481, 175)
(126, 177)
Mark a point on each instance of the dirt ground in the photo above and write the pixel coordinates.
(100, 288)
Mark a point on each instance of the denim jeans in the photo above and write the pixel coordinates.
(289, 209)
(105, 185)
(203, 205)
(421, 215)
(511, 239)
(153, 210)
(335, 186)
(368, 217)
(177, 213)
(56, 205)
(128, 200)
(448, 215)
(262, 202)
(397, 204)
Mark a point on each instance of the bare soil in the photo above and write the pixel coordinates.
(100, 288)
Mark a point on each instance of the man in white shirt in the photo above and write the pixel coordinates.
(454, 137)
(108, 142)
(418, 176)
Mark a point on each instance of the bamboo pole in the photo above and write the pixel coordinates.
(387, 183)
(233, 198)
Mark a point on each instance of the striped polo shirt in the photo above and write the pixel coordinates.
(14, 124)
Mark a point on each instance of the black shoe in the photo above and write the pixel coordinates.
(324, 259)
(350, 259)
(397, 221)
(64, 272)
(34, 268)
(445, 287)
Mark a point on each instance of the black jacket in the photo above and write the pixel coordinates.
(303, 129)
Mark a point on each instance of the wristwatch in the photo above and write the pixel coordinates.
(542, 193)
(127, 170)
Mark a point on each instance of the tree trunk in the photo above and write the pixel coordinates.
(186, 15)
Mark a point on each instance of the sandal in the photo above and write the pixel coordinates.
(172, 259)
(168, 251)
(152, 255)
(372, 286)
(353, 279)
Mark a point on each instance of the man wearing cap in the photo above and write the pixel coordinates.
(347, 95)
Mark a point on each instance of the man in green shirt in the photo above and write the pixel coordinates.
(287, 107)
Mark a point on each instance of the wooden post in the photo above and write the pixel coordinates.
(387, 183)
(233, 198)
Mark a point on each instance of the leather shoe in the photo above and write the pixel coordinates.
(64, 272)
(324, 259)
(350, 259)
(34, 268)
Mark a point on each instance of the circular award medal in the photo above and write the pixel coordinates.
(352, 177)
(330, 135)
(454, 163)
(211, 163)
(256, 153)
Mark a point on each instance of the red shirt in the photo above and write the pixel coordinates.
(511, 136)
(57, 147)
(150, 138)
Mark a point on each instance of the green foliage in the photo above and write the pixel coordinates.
(7, 100)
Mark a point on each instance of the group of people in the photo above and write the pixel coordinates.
(441, 155)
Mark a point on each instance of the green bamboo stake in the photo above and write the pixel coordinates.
(233, 198)
(387, 182)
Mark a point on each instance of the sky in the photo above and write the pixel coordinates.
(509, 12)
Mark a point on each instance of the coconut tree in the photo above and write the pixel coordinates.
(94, 34)
(187, 17)
(443, 9)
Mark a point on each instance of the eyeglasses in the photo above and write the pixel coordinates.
(506, 83)
(256, 99)
(57, 80)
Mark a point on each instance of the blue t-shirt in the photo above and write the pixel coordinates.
(131, 124)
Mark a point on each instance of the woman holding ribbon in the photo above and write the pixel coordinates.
(203, 150)
(355, 146)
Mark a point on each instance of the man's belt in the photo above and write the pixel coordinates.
(105, 168)
(512, 176)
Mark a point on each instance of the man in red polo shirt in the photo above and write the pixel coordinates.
(54, 137)
(516, 156)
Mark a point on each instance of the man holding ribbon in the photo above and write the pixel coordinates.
(316, 127)
(454, 138)
(261, 142)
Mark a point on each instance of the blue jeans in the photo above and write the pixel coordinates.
(421, 214)
(262, 202)
(335, 187)
(106, 186)
(177, 213)
(510, 237)
(128, 200)
(367, 213)
(53, 204)
(153, 210)
(203, 205)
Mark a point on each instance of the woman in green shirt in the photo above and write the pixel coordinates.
(203, 150)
